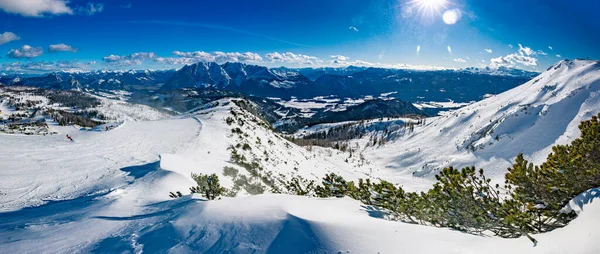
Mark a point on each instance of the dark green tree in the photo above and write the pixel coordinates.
(207, 185)
(332, 186)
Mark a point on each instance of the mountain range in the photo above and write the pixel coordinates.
(411, 85)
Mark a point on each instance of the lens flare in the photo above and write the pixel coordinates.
(450, 17)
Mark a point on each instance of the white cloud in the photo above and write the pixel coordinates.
(196, 54)
(218, 56)
(36, 8)
(26, 52)
(353, 28)
(489, 51)
(340, 58)
(510, 46)
(44, 67)
(133, 59)
(291, 58)
(418, 48)
(177, 60)
(513, 59)
(559, 56)
(7, 37)
(91, 9)
(459, 60)
(449, 50)
(525, 50)
(523, 56)
(61, 47)
(550, 47)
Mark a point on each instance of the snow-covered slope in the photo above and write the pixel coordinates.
(121, 110)
(128, 221)
(132, 214)
(38, 169)
(107, 191)
(201, 142)
(528, 119)
(276, 158)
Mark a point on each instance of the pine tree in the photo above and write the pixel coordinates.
(207, 185)
(332, 186)
(538, 197)
(466, 200)
(301, 187)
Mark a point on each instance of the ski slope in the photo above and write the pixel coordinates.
(36, 169)
(528, 119)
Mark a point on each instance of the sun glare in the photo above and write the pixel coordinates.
(429, 7)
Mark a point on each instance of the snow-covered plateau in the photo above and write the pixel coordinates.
(108, 191)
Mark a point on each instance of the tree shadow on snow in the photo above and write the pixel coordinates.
(586, 198)
(374, 212)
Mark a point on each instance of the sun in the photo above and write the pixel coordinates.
(429, 7)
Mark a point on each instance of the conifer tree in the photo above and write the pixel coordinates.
(207, 185)
(301, 187)
(332, 186)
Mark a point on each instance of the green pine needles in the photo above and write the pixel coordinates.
(207, 185)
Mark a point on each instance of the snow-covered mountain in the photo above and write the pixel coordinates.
(528, 119)
(409, 85)
(236, 76)
(501, 71)
(413, 86)
(102, 80)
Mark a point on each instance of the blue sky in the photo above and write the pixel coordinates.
(49, 35)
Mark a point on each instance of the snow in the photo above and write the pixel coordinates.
(123, 111)
(277, 156)
(41, 168)
(126, 220)
(489, 134)
(305, 104)
(107, 191)
(446, 104)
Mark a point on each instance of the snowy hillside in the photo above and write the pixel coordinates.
(108, 191)
(228, 130)
(95, 161)
(110, 196)
(528, 119)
